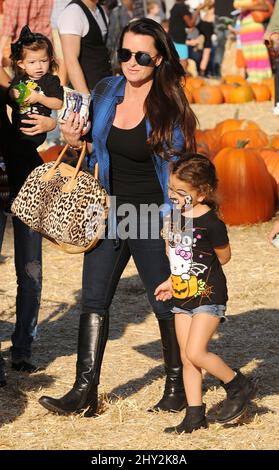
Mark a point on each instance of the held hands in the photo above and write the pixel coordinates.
(164, 291)
(33, 98)
(39, 124)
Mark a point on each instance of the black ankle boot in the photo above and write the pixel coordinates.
(194, 419)
(240, 391)
(174, 396)
(93, 333)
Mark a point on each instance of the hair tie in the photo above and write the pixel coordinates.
(26, 37)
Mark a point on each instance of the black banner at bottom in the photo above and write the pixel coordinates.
(125, 459)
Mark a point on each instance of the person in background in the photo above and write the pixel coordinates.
(180, 18)
(223, 18)
(108, 5)
(53, 137)
(273, 24)
(165, 25)
(257, 64)
(18, 13)
(153, 11)
(83, 28)
(119, 18)
(58, 7)
(138, 120)
(206, 28)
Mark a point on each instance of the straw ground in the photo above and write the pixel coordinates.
(132, 374)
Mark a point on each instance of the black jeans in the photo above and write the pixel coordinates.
(28, 264)
(104, 265)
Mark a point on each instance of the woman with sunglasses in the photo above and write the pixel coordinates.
(139, 121)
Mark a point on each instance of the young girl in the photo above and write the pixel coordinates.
(197, 246)
(34, 64)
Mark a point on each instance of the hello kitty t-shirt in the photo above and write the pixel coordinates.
(196, 273)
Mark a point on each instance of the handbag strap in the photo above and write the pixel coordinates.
(71, 184)
(80, 160)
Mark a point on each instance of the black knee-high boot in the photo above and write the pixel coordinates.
(174, 396)
(93, 333)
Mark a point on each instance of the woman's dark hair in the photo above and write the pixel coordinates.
(198, 171)
(29, 41)
(166, 104)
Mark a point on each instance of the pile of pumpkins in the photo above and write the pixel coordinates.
(232, 89)
(247, 164)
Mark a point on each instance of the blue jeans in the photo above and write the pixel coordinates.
(104, 265)
(28, 264)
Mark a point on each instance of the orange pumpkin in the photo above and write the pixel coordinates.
(274, 141)
(226, 89)
(207, 142)
(208, 95)
(271, 159)
(234, 79)
(202, 145)
(51, 153)
(189, 95)
(261, 92)
(253, 137)
(245, 186)
(233, 125)
(269, 82)
(194, 82)
(241, 94)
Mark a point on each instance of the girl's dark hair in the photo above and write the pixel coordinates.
(29, 41)
(198, 171)
(166, 104)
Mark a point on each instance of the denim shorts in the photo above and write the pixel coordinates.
(214, 310)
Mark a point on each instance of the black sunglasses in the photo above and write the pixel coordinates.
(142, 58)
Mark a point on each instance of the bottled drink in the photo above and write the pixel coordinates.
(24, 92)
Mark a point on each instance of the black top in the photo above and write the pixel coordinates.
(177, 24)
(94, 56)
(223, 7)
(197, 275)
(133, 175)
(48, 85)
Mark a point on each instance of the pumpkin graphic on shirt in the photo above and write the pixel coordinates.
(182, 288)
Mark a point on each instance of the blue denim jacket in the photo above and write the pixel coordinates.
(105, 96)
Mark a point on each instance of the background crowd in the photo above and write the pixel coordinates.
(200, 29)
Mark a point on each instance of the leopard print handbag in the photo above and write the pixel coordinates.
(65, 204)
